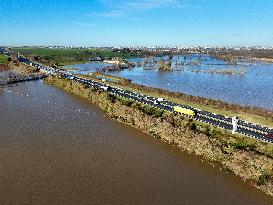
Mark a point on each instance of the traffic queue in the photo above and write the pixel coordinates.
(214, 119)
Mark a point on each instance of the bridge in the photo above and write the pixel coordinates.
(229, 123)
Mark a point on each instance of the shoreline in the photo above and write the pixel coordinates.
(9, 77)
(247, 158)
(233, 58)
(14, 72)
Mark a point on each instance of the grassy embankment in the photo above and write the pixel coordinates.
(247, 158)
(3, 59)
(4, 63)
(254, 115)
(60, 57)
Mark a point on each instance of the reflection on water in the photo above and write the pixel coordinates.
(251, 89)
(58, 149)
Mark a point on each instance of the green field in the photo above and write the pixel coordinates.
(66, 56)
(3, 59)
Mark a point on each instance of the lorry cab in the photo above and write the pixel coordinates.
(105, 88)
(159, 100)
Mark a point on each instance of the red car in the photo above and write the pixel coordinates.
(270, 135)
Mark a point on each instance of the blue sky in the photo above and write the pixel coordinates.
(136, 22)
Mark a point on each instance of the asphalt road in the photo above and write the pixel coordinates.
(225, 122)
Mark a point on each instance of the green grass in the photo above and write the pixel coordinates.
(244, 144)
(3, 59)
(67, 55)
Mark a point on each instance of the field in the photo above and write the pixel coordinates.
(60, 57)
(3, 59)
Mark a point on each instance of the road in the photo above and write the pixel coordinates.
(224, 122)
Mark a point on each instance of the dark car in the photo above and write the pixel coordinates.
(270, 135)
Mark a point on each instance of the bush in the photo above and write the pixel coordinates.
(112, 98)
(85, 86)
(157, 113)
(194, 126)
(263, 178)
(125, 101)
(244, 144)
(211, 131)
(151, 111)
(148, 110)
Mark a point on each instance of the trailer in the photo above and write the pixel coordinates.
(183, 111)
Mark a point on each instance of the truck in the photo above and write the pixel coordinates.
(104, 88)
(160, 99)
(183, 111)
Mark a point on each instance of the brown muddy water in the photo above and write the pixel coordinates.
(58, 149)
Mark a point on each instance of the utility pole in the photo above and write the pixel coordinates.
(234, 124)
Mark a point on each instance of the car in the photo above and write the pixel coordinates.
(270, 135)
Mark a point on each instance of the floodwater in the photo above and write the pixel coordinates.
(253, 88)
(58, 149)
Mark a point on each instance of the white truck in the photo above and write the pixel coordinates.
(105, 88)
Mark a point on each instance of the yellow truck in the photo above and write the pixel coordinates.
(183, 111)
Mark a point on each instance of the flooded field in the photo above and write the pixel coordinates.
(58, 149)
(253, 88)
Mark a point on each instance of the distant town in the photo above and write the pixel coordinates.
(202, 49)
